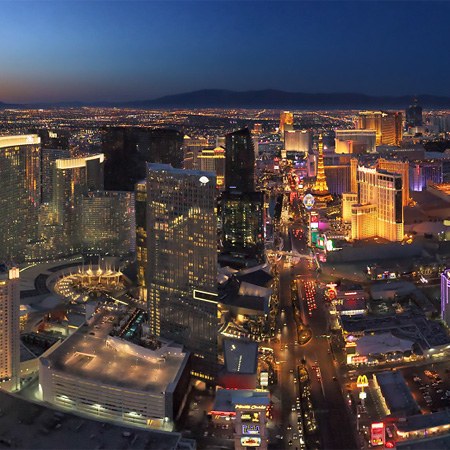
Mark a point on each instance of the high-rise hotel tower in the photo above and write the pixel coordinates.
(20, 194)
(9, 326)
(181, 276)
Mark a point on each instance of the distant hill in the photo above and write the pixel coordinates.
(268, 98)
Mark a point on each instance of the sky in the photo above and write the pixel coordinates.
(91, 50)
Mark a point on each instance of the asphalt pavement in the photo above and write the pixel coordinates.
(336, 425)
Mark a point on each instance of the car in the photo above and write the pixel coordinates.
(290, 443)
(334, 379)
(293, 408)
(294, 436)
(279, 436)
(289, 426)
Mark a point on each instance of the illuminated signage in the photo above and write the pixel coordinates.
(362, 380)
(204, 180)
(264, 379)
(314, 221)
(377, 433)
(308, 201)
(250, 429)
(250, 441)
(330, 246)
(250, 417)
(250, 407)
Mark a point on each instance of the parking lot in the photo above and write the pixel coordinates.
(430, 386)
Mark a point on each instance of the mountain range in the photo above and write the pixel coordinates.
(268, 98)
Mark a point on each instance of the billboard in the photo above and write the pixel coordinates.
(377, 434)
(314, 221)
(250, 441)
(264, 379)
(308, 201)
(250, 429)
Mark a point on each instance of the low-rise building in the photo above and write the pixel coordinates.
(96, 373)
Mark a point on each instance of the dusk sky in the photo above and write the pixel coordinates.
(129, 50)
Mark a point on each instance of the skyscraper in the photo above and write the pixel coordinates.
(20, 194)
(182, 261)
(239, 161)
(213, 160)
(243, 226)
(388, 126)
(382, 190)
(414, 115)
(9, 326)
(286, 122)
(297, 140)
(127, 149)
(74, 177)
(107, 223)
(48, 159)
(192, 149)
(141, 237)
(401, 168)
(355, 141)
(54, 145)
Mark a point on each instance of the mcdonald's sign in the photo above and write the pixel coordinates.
(362, 381)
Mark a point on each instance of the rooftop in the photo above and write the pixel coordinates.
(90, 353)
(227, 399)
(423, 421)
(240, 356)
(382, 343)
(439, 442)
(409, 325)
(396, 393)
(13, 141)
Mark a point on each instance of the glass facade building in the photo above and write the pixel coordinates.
(74, 177)
(182, 261)
(9, 325)
(20, 194)
(243, 224)
(141, 236)
(107, 221)
(239, 161)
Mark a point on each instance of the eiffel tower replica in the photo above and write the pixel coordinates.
(320, 189)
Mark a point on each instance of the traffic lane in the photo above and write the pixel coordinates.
(286, 361)
(332, 412)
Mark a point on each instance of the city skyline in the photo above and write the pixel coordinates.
(124, 51)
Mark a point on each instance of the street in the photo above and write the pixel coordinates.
(336, 426)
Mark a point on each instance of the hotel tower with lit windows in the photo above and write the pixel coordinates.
(20, 194)
(182, 261)
(9, 327)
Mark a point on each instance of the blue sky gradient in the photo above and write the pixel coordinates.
(127, 50)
